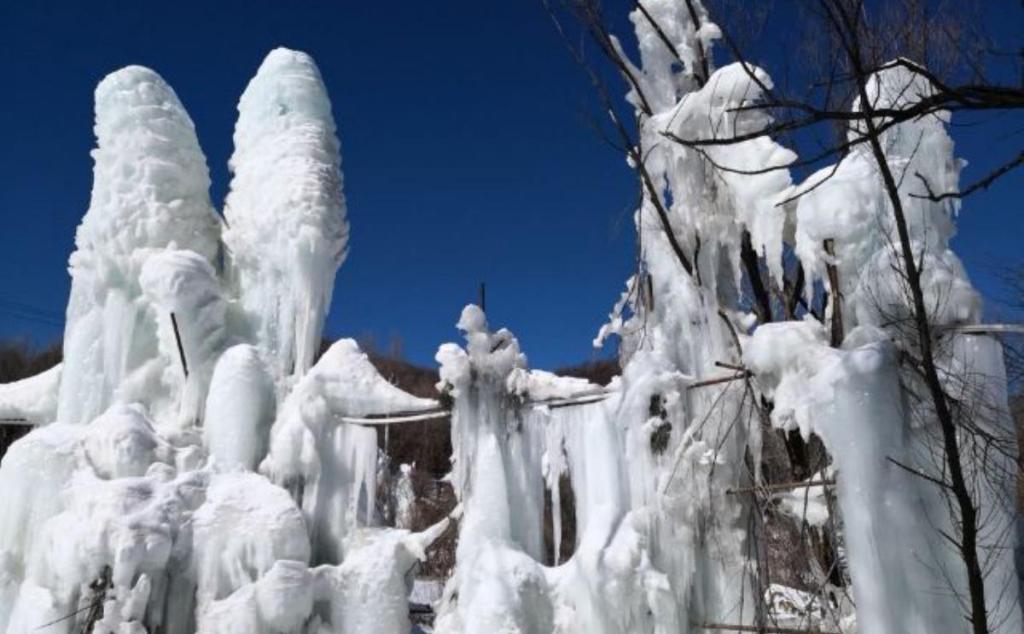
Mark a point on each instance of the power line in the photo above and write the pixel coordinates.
(31, 313)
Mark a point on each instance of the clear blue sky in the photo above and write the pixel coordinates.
(466, 153)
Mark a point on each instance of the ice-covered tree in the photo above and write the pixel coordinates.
(874, 231)
(663, 545)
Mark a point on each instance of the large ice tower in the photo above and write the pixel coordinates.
(150, 191)
(136, 506)
(286, 230)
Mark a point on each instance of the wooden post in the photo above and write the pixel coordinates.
(836, 298)
(732, 366)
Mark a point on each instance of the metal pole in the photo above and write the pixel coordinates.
(181, 350)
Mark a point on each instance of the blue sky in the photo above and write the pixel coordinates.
(466, 152)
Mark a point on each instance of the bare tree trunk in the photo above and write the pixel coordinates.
(847, 27)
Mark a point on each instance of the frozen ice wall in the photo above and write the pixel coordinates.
(150, 191)
(498, 581)
(662, 545)
(287, 233)
(513, 436)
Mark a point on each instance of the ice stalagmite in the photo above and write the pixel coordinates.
(498, 583)
(239, 409)
(150, 191)
(287, 232)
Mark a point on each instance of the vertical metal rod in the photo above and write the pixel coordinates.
(483, 297)
(181, 350)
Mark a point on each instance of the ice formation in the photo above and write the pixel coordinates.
(150, 192)
(33, 400)
(137, 505)
(286, 230)
(906, 577)
(196, 468)
(330, 466)
(239, 409)
(662, 546)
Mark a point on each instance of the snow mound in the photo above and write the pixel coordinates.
(239, 409)
(33, 400)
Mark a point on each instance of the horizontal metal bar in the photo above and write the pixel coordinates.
(378, 420)
(570, 401)
(393, 418)
(723, 379)
(982, 329)
(761, 629)
(782, 486)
